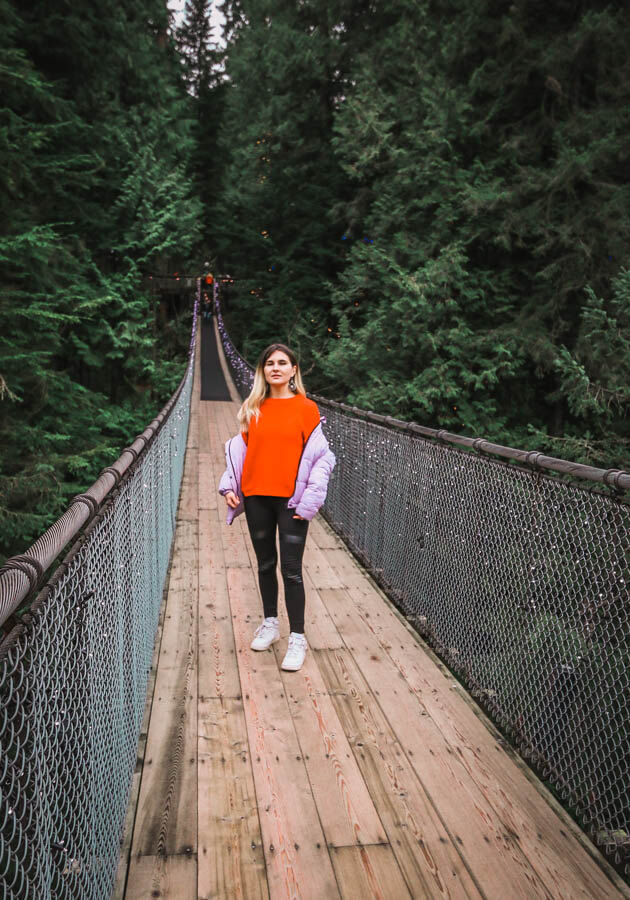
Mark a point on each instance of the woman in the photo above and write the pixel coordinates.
(277, 471)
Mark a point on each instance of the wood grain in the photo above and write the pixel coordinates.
(189, 496)
(428, 854)
(365, 775)
(369, 872)
(173, 877)
(318, 625)
(346, 809)
(230, 855)
(441, 772)
(208, 496)
(166, 821)
(298, 864)
(218, 668)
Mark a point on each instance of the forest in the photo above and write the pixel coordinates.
(428, 199)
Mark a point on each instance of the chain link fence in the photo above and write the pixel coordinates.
(73, 681)
(519, 580)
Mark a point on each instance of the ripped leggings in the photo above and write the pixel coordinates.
(263, 515)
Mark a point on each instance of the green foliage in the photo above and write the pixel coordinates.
(94, 148)
(459, 257)
(596, 376)
(428, 200)
(473, 158)
(200, 58)
(281, 178)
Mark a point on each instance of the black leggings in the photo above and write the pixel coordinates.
(263, 515)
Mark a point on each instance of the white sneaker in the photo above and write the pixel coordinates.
(296, 652)
(266, 634)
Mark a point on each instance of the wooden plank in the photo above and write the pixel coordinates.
(215, 445)
(491, 848)
(346, 810)
(320, 570)
(217, 454)
(364, 872)
(558, 851)
(206, 418)
(326, 538)
(225, 417)
(166, 820)
(427, 853)
(231, 859)
(234, 547)
(118, 891)
(125, 849)
(297, 859)
(228, 426)
(230, 856)
(218, 668)
(189, 495)
(321, 632)
(192, 441)
(208, 482)
(179, 631)
(354, 577)
(171, 877)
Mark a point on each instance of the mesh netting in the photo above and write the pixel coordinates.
(73, 686)
(517, 578)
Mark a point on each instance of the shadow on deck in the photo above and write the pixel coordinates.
(369, 773)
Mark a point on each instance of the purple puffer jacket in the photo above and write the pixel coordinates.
(316, 464)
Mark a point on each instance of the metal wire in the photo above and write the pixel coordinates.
(517, 578)
(21, 575)
(73, 682)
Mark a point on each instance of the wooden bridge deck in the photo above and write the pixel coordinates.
(368, 774)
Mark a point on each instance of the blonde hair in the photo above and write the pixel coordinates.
(260, 389)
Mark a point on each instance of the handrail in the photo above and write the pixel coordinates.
(617, 479)
(22, 575)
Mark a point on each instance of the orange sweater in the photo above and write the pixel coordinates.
(275, 443)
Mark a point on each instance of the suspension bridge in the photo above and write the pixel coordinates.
(147, 752)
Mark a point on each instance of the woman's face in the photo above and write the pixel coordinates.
(278, 368)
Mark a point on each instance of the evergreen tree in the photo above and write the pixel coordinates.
(278, 232)
(194, 43)
(202, 61)
(95, 193)
(485, 145)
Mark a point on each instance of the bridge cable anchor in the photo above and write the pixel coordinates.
(110, 470)
(611, 479)
(89, 501)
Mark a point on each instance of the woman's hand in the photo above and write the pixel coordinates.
(301, 518)
(231, 499)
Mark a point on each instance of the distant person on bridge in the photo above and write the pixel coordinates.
(277, 472)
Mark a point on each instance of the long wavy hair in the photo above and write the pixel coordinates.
(260, 389)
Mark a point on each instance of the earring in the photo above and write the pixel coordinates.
(292, 386)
